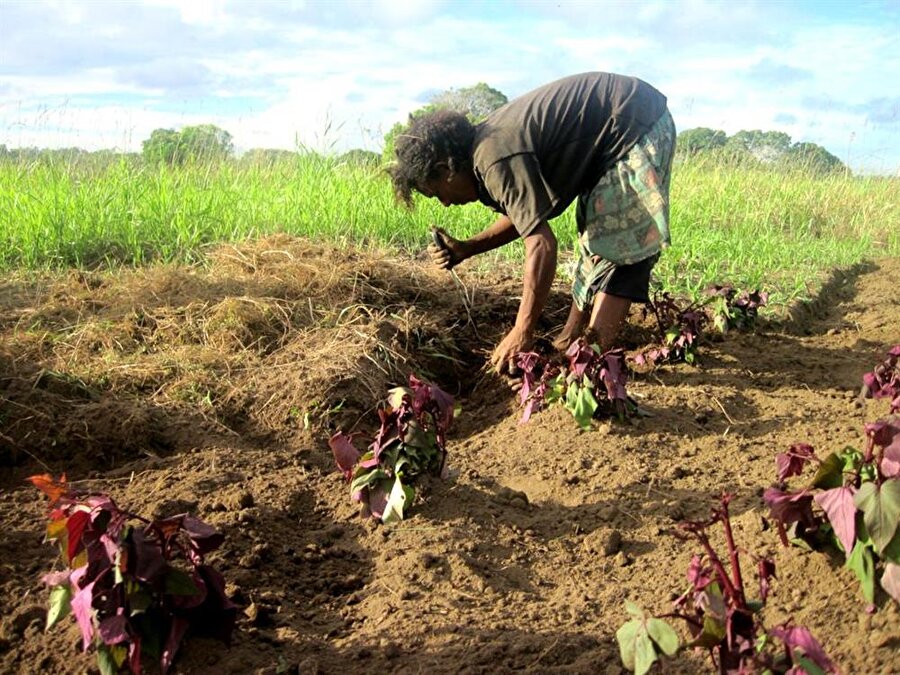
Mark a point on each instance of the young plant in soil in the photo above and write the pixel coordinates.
(720, 616)
(412, 441)
(884, 380)
(735, 311)
(679, 331)
(590, 384)
(136, 587)
(857, 504)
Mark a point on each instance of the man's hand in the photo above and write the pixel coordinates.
(503, 360)
(449, 253)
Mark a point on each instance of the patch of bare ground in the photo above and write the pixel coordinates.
(214, 390)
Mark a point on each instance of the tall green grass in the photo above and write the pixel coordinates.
(748, 226)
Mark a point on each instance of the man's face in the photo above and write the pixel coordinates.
(450, 189)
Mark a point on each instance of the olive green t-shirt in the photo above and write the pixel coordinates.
(537, 153)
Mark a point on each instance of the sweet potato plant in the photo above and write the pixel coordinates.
(411, 441)
(720, 616)
(590, 383)
(852, 502)
(136, 587)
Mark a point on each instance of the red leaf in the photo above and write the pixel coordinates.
(75, 528)
(797, 638)
(838, 505)
(113, 629)
(50, 486)
(345, 455)
(791, 463)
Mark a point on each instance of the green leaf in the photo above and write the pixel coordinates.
(891, 552)
(830, 473)
(636, 647)
(581, 403)
(626, 636)
(663, 635)
(881, 510)
(862, 564)
(712, 634)
(366, 479)
(178, 582)
(60, 604)
(809, 667)
(644, 653)
(634, 610)
(397, 500)
(395, 396)
(105, 661)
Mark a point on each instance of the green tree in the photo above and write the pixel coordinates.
(692, 141)
(476, 102)
(203, 142)
(814, 158)
(162, 146)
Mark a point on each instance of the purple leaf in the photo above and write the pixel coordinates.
(580, 355)
(887, 435)
(56, 578)
(792, 462)
(697, 574)
(797, 638)
(113, 629)
(203, 536)
(841, 511)
(148, 559)
(766, 571)
(788, 507)
(173, 641)
(81, 608)
(344, 453)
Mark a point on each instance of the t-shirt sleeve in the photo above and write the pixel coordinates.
(518, 186)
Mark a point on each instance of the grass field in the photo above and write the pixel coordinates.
(749, 227)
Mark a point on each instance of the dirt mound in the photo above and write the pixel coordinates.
(214, 390)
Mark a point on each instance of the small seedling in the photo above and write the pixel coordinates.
(735, 311)
(858, 500)
(720, 617)
(136, 587)
(589, 385)
(679, 331)
(884, 380)
(412, 441)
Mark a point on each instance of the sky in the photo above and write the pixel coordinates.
(332, 75)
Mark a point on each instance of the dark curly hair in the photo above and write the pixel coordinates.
(440, 136)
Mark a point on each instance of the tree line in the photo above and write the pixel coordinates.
(207, 143)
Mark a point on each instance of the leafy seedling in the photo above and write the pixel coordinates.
(720, 617)
(679, 330)
(858, 500)
(411, 442)
(590, 384)
(884, 380)
(735, 311)
(135, 587)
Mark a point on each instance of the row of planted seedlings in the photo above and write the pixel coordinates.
(136, 587)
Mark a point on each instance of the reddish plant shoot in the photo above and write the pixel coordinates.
(721, 618)
(411, 441)
(135, 587)
(852, 502)
(884, 380)
(590, 383)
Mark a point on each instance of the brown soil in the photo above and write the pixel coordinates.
(214, 391)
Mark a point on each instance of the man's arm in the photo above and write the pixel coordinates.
(498, 234)
(540, 268)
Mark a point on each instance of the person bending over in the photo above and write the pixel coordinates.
(602, 139)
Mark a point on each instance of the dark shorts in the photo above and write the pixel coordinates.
(624, 281)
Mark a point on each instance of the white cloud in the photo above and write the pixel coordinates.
(273, 72)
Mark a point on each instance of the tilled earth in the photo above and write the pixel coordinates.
(214, 391)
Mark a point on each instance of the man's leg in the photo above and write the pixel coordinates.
(573, 329)
(610, 312)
